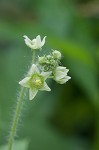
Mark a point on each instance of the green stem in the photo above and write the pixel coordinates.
(16, 118)
(17, 113)
(33, 58)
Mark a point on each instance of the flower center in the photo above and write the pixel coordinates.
(37, 81)
(33, 41)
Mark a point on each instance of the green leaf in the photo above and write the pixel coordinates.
(74, 51)
(81, 64)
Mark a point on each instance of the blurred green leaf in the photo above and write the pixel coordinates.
(81, 64)
(73, 50)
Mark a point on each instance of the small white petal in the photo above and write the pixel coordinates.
(25, 82)
(60, 75)
(45, 88)
(66, 71)
(32, 93)
(27, 43)
(46, 74)
(34, 44)
(43, 41)
(38, 41)
(33, 70)
(64, 80)
(61, 68)
(26, 38)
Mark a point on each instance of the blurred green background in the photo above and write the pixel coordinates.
(67, 118)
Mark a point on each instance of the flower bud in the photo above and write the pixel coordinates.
(42, 60)
(48, 56)
(60, 75)
(56, 54)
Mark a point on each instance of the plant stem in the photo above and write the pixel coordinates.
(17, 113)
(16, 118)
(33, 58)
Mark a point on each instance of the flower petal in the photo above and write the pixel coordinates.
(46, 74)
(25, 82)
(59, 75)
(33, 70)
(61, 68)
(26, 38)
(45, 87)
(38, 41)
(64, 80)
(27, 43)
(43, 41)
(32, 93)
(34, 44)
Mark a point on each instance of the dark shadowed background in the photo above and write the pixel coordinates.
(67, 118)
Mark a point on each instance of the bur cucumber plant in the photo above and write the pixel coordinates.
(47, 66)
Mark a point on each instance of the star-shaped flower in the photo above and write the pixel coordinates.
(35, 43)
(60, 74)
(35, 81)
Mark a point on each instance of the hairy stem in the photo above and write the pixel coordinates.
(33, 58)
(17, 113)
(16, 118)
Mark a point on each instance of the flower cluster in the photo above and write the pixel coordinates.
(47, 66)
(50, 62)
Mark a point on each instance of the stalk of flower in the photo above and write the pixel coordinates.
(34, 44)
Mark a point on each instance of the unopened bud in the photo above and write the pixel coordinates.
(42, 60)
(56, 54)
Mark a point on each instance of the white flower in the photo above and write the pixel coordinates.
(60, 74)
(35, 81)
(35, 43)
